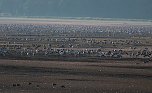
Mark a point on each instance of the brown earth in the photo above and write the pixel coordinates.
(109, 76)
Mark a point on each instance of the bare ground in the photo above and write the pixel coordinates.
(109, 76)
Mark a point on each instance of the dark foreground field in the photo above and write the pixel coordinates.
(23, 76)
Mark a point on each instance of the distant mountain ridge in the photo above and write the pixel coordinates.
(129, 9)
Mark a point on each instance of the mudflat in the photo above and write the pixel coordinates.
(107, 76)
(75, 56)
